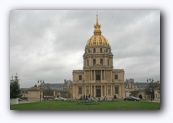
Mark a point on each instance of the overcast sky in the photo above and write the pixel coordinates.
(49, 44)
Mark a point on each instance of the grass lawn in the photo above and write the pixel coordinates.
(63, 105)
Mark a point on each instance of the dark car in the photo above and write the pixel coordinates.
(132, 98)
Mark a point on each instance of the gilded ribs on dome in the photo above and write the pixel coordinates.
(97, 40)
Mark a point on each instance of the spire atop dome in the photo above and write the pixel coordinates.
(97, 26)
(97, 23)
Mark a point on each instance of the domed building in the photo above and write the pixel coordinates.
(98, 78)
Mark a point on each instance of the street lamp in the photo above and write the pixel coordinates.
(151, 89)
(39, 83)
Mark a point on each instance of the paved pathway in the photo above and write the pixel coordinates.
(23, 101)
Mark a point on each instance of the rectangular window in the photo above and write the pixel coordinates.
(116, 90)
(94, 61)
(80, 90)
(80, 77)
(116, 76)
(101, 61)
(87, 62)
(94, 50)
(108, 62)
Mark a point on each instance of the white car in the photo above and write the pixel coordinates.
(60, 98)
(19, 99)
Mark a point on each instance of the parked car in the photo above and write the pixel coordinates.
(19, 99)
(132, 98)
(60, 98)
(48, 97)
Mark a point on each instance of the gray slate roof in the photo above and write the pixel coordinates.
(54, 86)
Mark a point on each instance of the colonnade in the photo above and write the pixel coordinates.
(103, 75)
(106, 90)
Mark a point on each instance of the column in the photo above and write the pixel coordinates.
(91, 90)
(94, 91)
(91, 75)
(120, 90)
(101, 90)
(94, 75)
(85, 90)
(111, 76)
(101, 75)
(104, 75)
(105, 90)
(74, 92)
(111, 90)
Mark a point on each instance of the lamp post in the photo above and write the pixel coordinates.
(151, 89)
(39, 83)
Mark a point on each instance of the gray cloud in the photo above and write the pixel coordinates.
(49, 44)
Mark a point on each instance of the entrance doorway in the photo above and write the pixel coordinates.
(97, 77)
(98, 91)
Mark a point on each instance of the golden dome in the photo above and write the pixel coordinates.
(97, 38)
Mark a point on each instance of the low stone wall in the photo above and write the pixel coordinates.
(34, 99)
(14, 101)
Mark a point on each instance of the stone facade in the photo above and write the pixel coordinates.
(47, 90)
(35, 94)
(98, 78)
(139, 88)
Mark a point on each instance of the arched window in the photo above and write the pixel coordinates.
(94, 50)
(101, 50)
